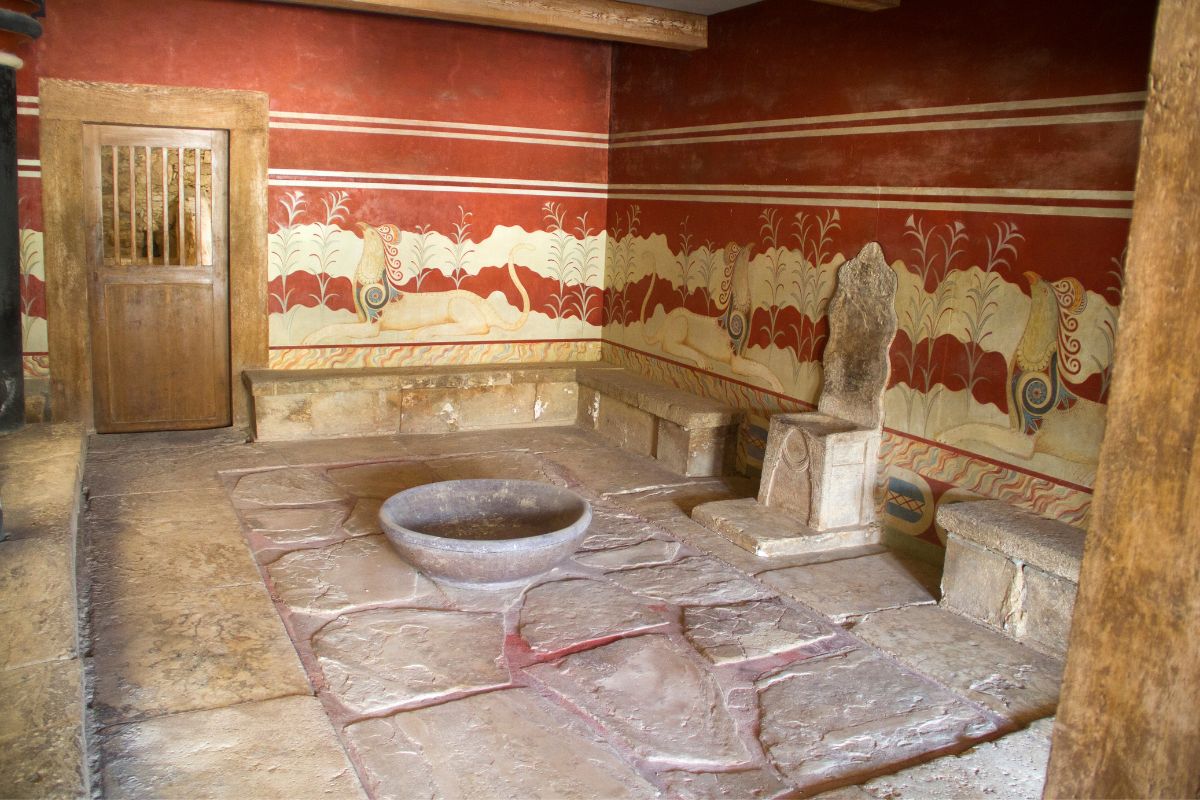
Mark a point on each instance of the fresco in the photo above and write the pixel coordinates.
(340, 283)
(33, 296)
(999, 373)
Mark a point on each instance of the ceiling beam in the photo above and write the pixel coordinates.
(862, 5)
(593, 19)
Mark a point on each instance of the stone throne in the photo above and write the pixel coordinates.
(819, 473)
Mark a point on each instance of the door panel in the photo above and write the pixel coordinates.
(158, 268)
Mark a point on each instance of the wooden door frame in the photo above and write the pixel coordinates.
(66, 106)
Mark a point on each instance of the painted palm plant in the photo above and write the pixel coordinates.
(562, 259)
(813, 284)
(287, 253)
(422, 251)
(982, 300)
(708, 258)
(773, 279)
(461, 248)
(1108, 325)
(325, 239)
(589, 266)
(31, 259)
(685, 262)
(620, 250)
(925, 317)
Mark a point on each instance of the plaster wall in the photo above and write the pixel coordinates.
(452, 143)
(990, 147)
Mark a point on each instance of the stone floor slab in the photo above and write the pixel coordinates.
(1013, 680)
(1011, 767)
(508, 744)
(612, 527)
(171, 469)
(46, 695)
(43, 763)
(653, 697)
(282, 748)
(769, 532)
(183, 512)
(382, 480)
(288, 527)
(607, 469)
(286, 488)
(37, 607)
(159, 654)
(829, 719)
(562, 614)
(726, 634)
(758, 783)
(678, 501)
(40, 496)
(383, 659)
(364, 518)
(643, 554)
(852, 587)
(351, 575)
(149, 560)
(698, 580)
(516, 466)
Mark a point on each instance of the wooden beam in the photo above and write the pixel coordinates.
(592, 19)
(1127, 722)
(862, 5)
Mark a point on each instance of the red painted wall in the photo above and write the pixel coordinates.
(990, 147)
(429, 100)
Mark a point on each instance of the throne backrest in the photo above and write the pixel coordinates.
(862, 324)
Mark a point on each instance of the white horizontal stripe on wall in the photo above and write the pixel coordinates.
(913, 205)
(380, 176)
(425, 187)
(316, 126)
(901, 113)
(907, 127)
(425, 123)
(914, 191)
(699, 193)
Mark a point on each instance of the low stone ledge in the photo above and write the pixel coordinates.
(1012, 570)
(688, 434)
(268, 382)
(674, 405)
(336, 403)
(1047, 544)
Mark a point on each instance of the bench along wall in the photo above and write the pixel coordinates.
(419, 149)
(990, 147)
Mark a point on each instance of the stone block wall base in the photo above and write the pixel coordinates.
(768, 532)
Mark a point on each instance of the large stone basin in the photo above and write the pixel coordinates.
(485, 532)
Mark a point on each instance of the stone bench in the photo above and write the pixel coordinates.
(331, 403)
(1012, 570)
(691, 435)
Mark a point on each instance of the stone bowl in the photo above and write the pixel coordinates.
(485, 532)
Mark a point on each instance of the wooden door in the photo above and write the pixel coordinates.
(157, 208)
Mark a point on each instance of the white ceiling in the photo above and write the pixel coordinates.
(698, 6)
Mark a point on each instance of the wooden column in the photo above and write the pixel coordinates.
(1128, 719)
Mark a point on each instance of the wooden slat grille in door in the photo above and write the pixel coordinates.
(159, 277)
(157, 205)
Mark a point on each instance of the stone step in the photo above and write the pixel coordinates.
(768, 532)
